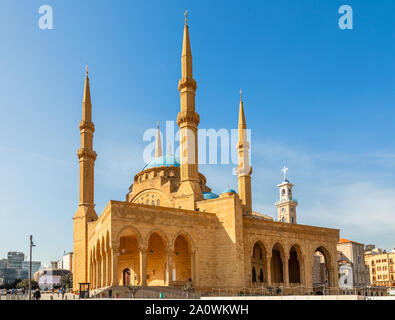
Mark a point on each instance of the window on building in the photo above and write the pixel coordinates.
(158, 202)
(359, 259)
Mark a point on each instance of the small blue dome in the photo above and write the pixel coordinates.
(210, 195)
(229, 191)
(164, 161)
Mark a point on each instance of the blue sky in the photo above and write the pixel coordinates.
(318, 100)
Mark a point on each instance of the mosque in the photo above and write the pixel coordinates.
(172, 229)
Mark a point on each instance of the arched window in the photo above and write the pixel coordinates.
(153, 202)
(253, 275)
(260, 253)
(158, 202)
(147, 201)
(261, 276)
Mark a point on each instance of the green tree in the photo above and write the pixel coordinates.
(25, 284)
(67, 280)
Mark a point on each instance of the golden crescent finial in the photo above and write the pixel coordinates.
(186, 16)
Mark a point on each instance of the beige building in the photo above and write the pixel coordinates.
(67, 261)
(382, 267)
(351, 253)
(172, 229)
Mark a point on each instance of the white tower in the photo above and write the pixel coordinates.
(286, 207)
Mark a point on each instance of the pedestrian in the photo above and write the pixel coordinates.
(37, 294)
(62, 292)
(110, 293)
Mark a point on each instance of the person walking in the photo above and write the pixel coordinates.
(37, 294)
(62, 292)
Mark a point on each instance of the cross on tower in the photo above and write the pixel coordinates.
(284, 170)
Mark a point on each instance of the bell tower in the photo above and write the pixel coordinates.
(286, 207)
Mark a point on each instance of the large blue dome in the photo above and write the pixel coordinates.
(163, 161)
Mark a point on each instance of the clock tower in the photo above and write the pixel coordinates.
(286, 207)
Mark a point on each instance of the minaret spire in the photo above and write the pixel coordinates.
(244, 169)
(158, 146)
(189, 191)
(86, 207)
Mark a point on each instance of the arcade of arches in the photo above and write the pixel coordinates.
(286, 266)
(154, 262)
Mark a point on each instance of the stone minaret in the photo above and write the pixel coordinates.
(158, 145)
(189, 191)
(86, 208)
(244, 169)
(286, 207)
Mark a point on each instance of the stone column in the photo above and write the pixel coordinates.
(143, 266)
(302, 270)
(92, 280)
(308, 269)
(269, 269)
(96, 273)
(193, 269)
(104, 273)
(169, 260)
(286, 270)
(99, 268)
(114, 266)
(109, 268)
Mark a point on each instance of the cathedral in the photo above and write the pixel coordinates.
(172, 229)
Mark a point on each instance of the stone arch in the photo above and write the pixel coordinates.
(321, 269)
(258, 258)
(157, 248)
(276, 263)
(182, 259)
(131, 228)
(187, 236)
(159, 232)
(295, 264)
(129, 241)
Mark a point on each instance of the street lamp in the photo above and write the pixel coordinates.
(30, 267)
